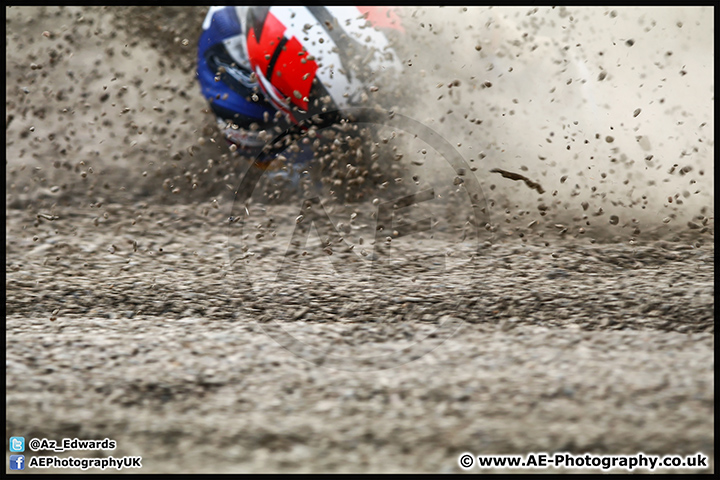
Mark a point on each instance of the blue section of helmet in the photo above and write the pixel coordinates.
(225, 24)
(230, 98)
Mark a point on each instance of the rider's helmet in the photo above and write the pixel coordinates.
(266, 70)
(311, 60)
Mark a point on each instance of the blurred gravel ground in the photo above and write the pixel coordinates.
(608, 350)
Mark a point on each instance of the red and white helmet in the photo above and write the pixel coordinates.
(311, 60)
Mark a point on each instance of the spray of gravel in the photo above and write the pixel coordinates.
(607, 113)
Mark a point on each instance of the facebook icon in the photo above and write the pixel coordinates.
(17, 462)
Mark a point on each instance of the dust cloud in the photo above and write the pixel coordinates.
(610, 110)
